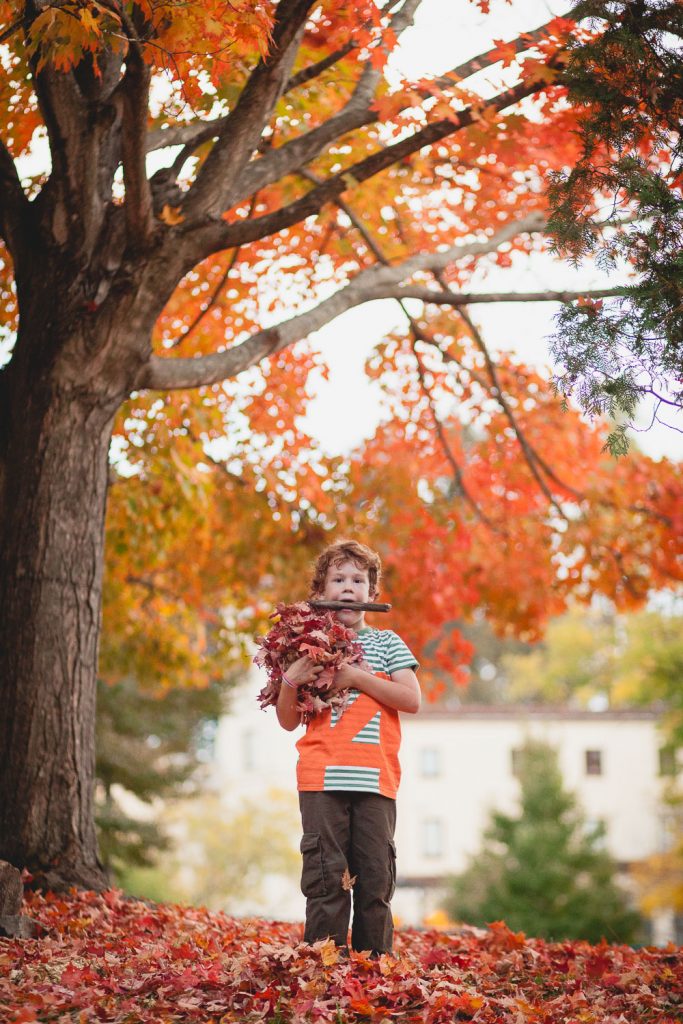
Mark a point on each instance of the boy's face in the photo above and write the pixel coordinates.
(347, 582)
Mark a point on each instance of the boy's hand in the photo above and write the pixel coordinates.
(344, 678)
(303, 671)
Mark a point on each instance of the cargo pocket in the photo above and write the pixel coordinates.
(392, 868)
(313, 871)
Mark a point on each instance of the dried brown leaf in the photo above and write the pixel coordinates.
(347, 881)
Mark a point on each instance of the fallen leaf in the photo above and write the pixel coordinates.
(347, 881)
(329, 953)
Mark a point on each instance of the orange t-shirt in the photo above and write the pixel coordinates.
(358, 749)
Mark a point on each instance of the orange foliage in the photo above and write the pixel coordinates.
(221, 499)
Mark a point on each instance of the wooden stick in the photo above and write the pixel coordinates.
(354, 606)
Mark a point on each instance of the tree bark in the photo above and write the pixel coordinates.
(54, 440)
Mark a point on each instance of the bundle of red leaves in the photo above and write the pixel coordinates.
(105, 957)
(297, 630)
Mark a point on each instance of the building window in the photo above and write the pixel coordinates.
(515, 761)
(430, 762)
(432, 837)
(593, 762)
(667, 761)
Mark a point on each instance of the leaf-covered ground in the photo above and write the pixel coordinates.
(110, 958)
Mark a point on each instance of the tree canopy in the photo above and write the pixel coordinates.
(218, 184)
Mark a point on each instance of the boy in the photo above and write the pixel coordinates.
(348, 770)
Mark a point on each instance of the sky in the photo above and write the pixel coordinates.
(345, 409)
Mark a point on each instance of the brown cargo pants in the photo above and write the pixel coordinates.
(354, 831)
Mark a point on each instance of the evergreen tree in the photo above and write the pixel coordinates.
(629, 80)
(541, 872)
(148, 746)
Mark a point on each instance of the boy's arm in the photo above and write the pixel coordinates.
(286, 710)
(302, 671)
(401, 692)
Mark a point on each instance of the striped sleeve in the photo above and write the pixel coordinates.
(397, 653)
(385, 651)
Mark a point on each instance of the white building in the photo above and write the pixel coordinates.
(458, 766)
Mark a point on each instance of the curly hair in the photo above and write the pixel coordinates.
(347, 551)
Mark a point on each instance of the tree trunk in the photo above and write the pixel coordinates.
(53, 460)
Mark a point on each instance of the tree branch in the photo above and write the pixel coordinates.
(285, 159)
(14, 204)
(73, 175)
(527, 451)
(134, 92)
(192, 135)
(458, 477)
(13, 27)
(449, 298)
(470, 67)
(356, 114)
(83, 140)
(486, 386)
(419, 335)
(214, 295)
(537, 463)
(210, 194)
(320, 67)
(220, 464)
(219, 235)
(374, 283)
(258, 173)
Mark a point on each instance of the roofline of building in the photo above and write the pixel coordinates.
(516, 711)
(437, 881)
